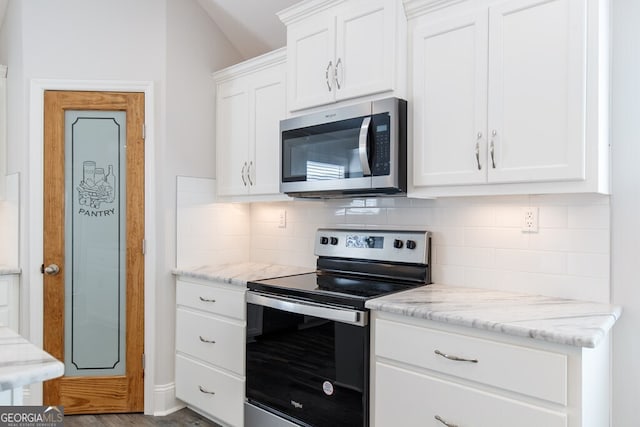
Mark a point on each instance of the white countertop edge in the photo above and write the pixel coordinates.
(5, 270)
(21, 374)
(555, 322)
(239, 274)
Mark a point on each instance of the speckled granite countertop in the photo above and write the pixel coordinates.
(23, 363)
(552, 319)
(5, 270)
(241, 273)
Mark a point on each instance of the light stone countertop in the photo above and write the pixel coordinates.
(552, 319)
(22, 363)
(241, 273)
(6, 270)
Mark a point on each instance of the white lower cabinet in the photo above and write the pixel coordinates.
(426, 373)
(210, 339)
(436, 402)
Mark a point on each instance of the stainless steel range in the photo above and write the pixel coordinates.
(308, 334)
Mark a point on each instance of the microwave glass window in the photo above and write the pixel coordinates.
(322, 152)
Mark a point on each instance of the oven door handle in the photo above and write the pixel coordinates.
(353, 317)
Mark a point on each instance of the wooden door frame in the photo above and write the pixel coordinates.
(32, 299)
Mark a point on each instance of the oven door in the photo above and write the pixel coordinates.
(307, 363)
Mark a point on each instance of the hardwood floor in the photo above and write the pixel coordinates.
(183, 417)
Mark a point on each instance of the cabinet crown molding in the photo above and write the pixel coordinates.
(251, 65)
(305, 8)
(413, 8)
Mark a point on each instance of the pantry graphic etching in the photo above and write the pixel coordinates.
(96, 188)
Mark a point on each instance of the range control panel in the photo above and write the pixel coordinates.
(379, 245)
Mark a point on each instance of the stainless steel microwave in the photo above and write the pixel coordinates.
(358, 150)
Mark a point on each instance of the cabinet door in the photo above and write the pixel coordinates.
(365, 41)
(406, 398)
(449, 100)
(232, 137)
(311, 63)
(537, 63)
(268, 108)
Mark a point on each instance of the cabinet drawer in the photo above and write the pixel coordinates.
(536, 373)
(215, 341)
(406, 398)
(211, 391)
(214, 299)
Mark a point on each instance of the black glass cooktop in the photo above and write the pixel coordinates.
(350, 291)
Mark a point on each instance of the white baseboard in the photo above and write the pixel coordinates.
(165, 400)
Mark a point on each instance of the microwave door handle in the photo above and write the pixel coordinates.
(362, 146)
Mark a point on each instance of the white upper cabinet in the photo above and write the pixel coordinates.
(250, 102)
(450, 100)
(339, 50)
(511, 94)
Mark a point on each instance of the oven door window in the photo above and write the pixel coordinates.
(311, 370)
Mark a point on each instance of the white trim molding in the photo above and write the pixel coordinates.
(166, 402)
(33, 298)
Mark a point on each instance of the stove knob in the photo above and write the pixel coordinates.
(334, 241)
(397, 243)
(411, 244)
(324, 240)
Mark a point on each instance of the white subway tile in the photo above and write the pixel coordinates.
(532, 261)
(506, 238)
(589, 217)
(589, 265)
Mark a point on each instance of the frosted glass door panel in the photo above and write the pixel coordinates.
(95, 242)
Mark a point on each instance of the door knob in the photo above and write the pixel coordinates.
(52, 269)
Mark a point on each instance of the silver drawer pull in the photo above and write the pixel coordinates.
(206, 340)
(439, 418)
(204, 390)
(456, 358)
(206, 300)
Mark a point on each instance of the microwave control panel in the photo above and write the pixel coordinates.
(381, 164)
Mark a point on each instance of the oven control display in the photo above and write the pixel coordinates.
(362, 241)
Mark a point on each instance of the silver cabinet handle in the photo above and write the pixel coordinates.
(51, 270)
(249, 173)
(455, 358)
(335, 73)
(204, 390)
(492, 150)
(439, 418)
(326, 75)
(203, 299)
(244, 181)
(206, 340)
(362, 146)
(478, 150)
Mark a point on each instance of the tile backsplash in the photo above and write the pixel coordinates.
(477, 241)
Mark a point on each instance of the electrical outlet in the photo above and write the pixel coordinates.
(530, 220)
(282, 219)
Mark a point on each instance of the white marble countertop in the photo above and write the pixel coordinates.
(6, 270)
(241, 273)
(23, 363)
(552, 319)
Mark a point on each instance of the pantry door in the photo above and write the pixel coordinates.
(93, 263)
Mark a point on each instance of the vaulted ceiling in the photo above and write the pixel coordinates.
(251, 26)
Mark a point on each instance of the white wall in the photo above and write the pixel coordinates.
(171, 43)
(625, 206)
